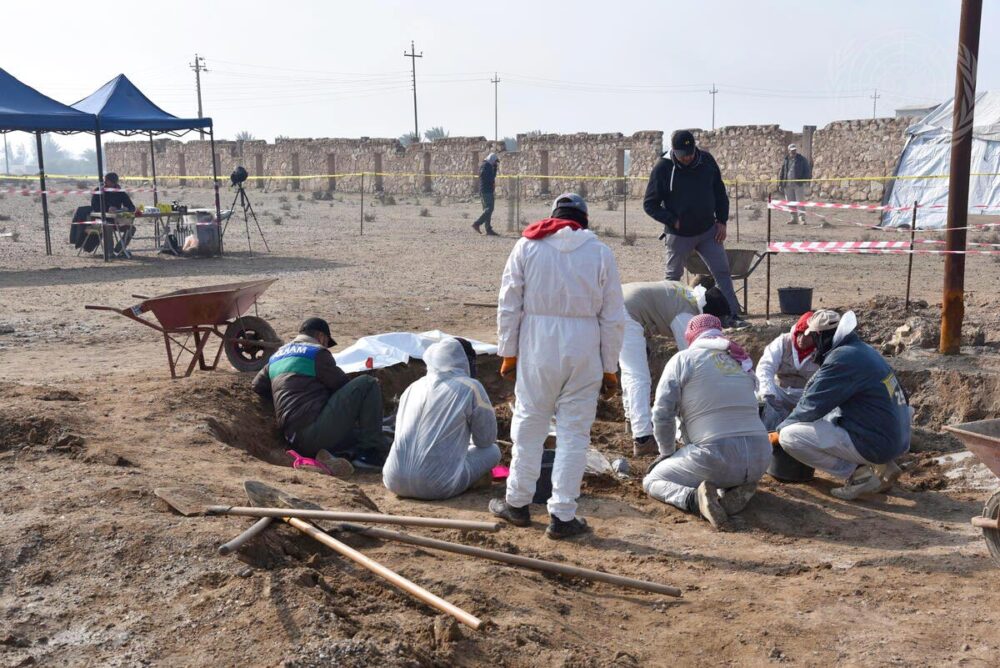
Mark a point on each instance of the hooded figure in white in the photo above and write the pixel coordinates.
(561, 315)
(446, 430)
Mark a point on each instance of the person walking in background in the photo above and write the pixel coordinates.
(795, 168)
(686, 195)
(487, 191)
(560, 323)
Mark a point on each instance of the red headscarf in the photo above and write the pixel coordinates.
(548, 226)
(798, 329)
(709, 326)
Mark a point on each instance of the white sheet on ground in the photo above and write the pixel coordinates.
(396, 348)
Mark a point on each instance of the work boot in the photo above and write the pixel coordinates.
(559, 529)
(868, 479)
(735, 499)
(644, 446)
(791, 221)
(491, 233)
(519, 517)
(338, 466)
(707, 497)
(475, 226)
(736, 322)
(369, 460)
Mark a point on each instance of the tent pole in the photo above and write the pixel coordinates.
(215, 182)
(45, 197)
(152, 160)
(100, 191)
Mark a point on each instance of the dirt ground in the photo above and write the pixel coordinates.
(95, 570)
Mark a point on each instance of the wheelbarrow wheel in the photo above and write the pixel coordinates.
(247, 356)
(992, 536)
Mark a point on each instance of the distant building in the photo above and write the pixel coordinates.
(915, 111)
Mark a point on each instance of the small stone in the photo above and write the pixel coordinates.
(446, 630)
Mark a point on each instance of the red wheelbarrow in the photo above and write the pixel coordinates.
(982, 438)
(197, 313)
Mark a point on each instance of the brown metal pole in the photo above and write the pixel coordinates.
(625, 214)
(738, 214)
(953, 299)
(767, 308)
(362, 204)
(45, 196)
(909, 267)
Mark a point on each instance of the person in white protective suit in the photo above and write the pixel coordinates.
(446, 430)
(656, 308)
(560, 322)
(710, 387)
(783, 370)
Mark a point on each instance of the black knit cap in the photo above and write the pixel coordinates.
(682, 143)
(318, 325)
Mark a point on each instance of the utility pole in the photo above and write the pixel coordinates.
(413, 55)
(496, 134)
(712, 93)
(953, 301)
(198, 66)
(874, 99)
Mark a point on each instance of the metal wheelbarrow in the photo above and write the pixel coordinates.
(198, 313)
(982, 438)
(742, 263)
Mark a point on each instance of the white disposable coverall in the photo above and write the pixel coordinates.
(431, 457)
(782, 375)
(725, 442)
(561, 314)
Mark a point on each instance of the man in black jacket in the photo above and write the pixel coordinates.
(686, 195)
(794, 169)
(487, 189)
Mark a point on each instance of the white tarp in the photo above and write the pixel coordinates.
(928, 152)
(395, 348)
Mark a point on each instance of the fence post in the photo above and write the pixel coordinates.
(738, 213)
(362, 204)
(909, 267)
(517, 208)
(625, 214)
(767, 308)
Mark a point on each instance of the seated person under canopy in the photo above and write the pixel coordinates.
(446, 429)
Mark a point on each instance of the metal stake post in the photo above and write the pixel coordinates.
(767, 308)
(517, 208)
(625, 213)
(738, 214)
(362, 204)
(45, 197)
(909, 267)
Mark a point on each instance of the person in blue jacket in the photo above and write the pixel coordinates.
(853, 419)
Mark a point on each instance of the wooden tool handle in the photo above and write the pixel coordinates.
(986, 522)
(238, 542)
(516, 560)
(394, 578)
(337, 516)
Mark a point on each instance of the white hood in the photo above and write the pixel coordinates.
(568, 240)
(446, 359)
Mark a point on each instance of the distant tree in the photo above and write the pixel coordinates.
(244, 135)
(510, 143)
(408, 138)
(435, 133)
(58, 160)
(278, 138)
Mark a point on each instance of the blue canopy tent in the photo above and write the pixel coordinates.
(121, 108)
(24, 109)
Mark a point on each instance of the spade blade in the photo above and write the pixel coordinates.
(265, 496)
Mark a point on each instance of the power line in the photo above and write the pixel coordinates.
(413, 55)
(198, 66)
(496, 107)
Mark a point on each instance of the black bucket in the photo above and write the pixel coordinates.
(543, 488)
(795, 301)
(786, 468)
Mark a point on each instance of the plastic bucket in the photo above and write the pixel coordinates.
(795, 301)
(786, 468)
(543, 488)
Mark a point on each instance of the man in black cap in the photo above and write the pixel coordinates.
(686, 195)
(115, 200)
(318, 409)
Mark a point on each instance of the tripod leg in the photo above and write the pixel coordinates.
(245, 203)
(254, 215)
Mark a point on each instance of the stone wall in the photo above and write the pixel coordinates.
(600, 165)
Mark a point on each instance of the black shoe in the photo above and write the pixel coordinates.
(519, 517)
(475, 226)
(368, 460)
(736, 322)
(558, 529)
(491, 233)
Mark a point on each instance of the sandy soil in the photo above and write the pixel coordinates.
(95, 570)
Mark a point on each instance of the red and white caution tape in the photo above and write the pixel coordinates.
(867, 247)
(784, 205)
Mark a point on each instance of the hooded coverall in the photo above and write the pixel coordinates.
(432, 456)
(561, 313)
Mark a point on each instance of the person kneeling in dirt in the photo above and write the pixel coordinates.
(710, 387)
(853, 418)
(321, 412)
(660, 308)
(783, 370)
(432, 457)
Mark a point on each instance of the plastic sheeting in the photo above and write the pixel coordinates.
(396, 348)
(928, 152)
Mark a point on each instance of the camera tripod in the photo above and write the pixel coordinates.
(248, 213)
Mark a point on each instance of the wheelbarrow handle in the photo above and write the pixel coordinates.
(91, 307)
(139, 297)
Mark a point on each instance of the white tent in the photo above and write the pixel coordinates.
(928, 152)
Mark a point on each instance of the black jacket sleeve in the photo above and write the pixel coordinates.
(807, 170)
(126, 202)
(487, 177)
(721, 198)
(262, 383)
(328, 373)
(657, 200)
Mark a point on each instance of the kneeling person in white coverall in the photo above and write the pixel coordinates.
(432, 456)
(560, 320)
(783, 370)
(655, 308)
(710, 387)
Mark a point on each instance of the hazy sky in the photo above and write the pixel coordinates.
(336, 69)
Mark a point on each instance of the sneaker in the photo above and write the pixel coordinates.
(475, 226)
(491, 233)
(558, 529)
(368, 460)
(519, 517)
(735, 499)
(709, 507)
(339, 467)
(644, 446)
(888, 473)
(736, 322)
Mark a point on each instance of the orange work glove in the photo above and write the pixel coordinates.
(773, 437)
(508, 368)
(609, 385)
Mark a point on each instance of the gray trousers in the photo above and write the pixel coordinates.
(796, 192)
(712, 253)
(350, 422)
(728, 462)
